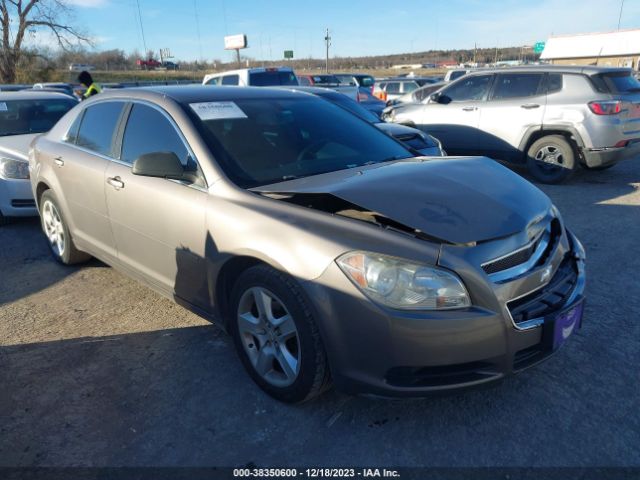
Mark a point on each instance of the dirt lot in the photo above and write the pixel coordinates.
(97, 370)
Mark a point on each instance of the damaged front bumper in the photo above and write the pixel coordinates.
(377, 350)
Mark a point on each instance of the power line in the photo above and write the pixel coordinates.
(144, 43)
(195, 12)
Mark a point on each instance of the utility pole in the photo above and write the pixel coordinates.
(327, 41)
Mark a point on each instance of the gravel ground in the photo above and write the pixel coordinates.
(97, 370)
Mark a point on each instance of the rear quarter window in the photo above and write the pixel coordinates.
(615, 82)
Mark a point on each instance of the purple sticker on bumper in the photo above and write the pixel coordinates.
(566, 323)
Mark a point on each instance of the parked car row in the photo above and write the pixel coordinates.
(330, 251)
(553, 119)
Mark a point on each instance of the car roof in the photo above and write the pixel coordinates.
(322, 92)
(32, 95)
(199, 93)
(580, 69)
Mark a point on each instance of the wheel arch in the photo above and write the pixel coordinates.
(40, 189)
(535, 133)
(227, 276)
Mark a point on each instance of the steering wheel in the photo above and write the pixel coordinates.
(312, 149)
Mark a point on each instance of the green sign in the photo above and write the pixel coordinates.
(538, 47)
(288, 54)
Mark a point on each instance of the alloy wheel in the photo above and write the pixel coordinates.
(269, 336)
(550, 157)
(53, 227)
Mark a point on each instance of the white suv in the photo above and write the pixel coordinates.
(551, 118)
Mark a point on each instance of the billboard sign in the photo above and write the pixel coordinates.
(235, 42)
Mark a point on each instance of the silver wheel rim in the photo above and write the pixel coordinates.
(551, 155)
(269, 336)
(53, 227)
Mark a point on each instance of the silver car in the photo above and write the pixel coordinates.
(327, 250)
(23, 115)
(551, 118)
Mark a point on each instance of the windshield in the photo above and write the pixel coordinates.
(351, 105)
(270, 140)
(272, 78)
(20, 117)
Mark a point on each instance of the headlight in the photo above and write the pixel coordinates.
(400, 284)
(11, 168)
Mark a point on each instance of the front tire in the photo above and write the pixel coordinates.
(276, 336)
(56, 230)
(551, 159)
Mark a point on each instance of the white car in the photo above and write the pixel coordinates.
(253, 77)
(23, 116)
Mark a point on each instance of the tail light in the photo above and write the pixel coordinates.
(611, 107)
(362, 97)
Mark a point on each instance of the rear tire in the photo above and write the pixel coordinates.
(276, 336)
(56, 230)
(3, 220)
(551, 159)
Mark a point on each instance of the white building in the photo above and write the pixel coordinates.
(612, 49)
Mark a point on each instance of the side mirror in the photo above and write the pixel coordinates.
(440, 98)
(158, 164)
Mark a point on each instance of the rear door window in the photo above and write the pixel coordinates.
(98, 126)
(393, 87)
(554, 82)
(409, 87)
(517, 85)
(230, 80)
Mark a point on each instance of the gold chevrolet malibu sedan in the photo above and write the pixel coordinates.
(328, 250)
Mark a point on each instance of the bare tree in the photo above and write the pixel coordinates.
(17, 17)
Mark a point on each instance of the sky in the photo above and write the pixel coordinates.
(357, 28)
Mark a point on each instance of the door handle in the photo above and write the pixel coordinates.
(529, 106)
(115, 182)
(469, 109)
(58, 161)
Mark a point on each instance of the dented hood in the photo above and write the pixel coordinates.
(455, 200)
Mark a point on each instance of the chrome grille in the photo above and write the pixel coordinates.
(520, 261)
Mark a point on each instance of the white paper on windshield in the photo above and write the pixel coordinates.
(217, 110)
(3, 107)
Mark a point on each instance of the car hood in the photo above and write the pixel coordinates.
(458, 200)
(17, 145)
